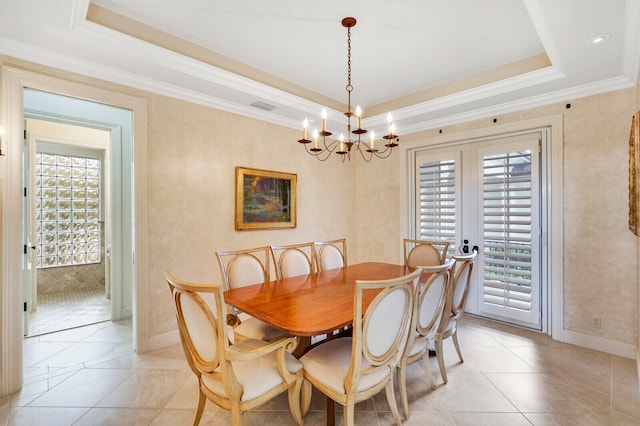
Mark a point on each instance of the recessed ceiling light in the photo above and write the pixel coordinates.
(599, 39)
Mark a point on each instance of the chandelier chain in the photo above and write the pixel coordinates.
(349, 86)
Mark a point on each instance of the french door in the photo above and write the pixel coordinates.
(486, 195)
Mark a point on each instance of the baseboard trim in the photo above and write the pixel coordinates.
(162, 341)
(612, 347)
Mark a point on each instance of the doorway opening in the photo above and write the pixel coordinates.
(71, 187)
(68, 197)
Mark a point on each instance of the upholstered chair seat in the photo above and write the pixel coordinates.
(257, 376)
(331, 361)
(253, 328)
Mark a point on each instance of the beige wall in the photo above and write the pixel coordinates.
(192, 152)
(600, 250)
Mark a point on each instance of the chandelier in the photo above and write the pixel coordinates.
(354, 140)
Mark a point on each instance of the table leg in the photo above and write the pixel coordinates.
(303, 344)
(331, 415)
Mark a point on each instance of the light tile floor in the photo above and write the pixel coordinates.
(90, 376)
(68, 309)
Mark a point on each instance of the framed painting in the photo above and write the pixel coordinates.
(634, 163)
(265, 199)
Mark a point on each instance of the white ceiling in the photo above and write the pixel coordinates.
(415, 57)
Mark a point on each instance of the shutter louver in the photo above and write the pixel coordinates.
(507, 204)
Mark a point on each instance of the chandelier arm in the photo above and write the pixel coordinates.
(384, 154)
(332, 145)
(363, 155)
(320, 154)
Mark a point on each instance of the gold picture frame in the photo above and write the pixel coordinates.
(634, 154)
(265, 199)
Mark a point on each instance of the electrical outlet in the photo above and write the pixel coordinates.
(595, 322)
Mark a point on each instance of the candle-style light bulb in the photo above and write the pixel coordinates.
(324, 120)
(341, 142)
(358, 116)
(390, 121)
(305, 124)
(315, 138)
(373, 139)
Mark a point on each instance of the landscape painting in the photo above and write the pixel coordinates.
(265, 199)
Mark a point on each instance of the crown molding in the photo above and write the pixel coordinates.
(596, 88)
(475, 94)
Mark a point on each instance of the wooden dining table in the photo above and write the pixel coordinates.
(314, 304)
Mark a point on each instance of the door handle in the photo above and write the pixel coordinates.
(465, 247)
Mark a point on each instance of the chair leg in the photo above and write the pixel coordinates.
(348, 414)
(306, 392)
(294, 399)
(440, 356)
(202, 400)
(402, 384)
(427, 368)
(391, 398)
(455, 343)
(236, 415)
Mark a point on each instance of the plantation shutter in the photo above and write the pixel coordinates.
(437, 195)
(508, 201)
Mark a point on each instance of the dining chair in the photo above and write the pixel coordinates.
(352, 369)
(294, 259)
(454, 306)
(424, 253)
(428, 304)
(239, 268)
(237, 377)
(331, 254)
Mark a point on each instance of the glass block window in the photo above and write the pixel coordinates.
(67, 210)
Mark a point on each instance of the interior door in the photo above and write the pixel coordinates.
(486, 195)
(29, 279)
